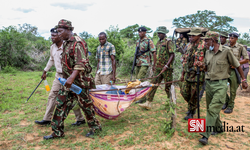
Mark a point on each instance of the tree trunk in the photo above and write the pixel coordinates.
(173, 102)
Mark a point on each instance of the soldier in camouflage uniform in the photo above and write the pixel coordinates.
(238, 51)
(223, 38)
(165, 57)
(195, 51)
(144, 61)
(76, 69)
(181, 42)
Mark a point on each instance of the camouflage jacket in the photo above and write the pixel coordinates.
(77, 59)
(145, 59)
(164, 48)
(191, 56)
(181, 42)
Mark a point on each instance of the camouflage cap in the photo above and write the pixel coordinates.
(234, 34)
(211, 35)
(162, 29)
(63, 23)
(225, 34)
(195, 31)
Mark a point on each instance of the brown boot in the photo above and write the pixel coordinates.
(146, 105)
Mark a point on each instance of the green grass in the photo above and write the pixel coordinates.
(136, 128)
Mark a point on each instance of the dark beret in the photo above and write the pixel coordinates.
(142, 29)
(234, 34)
(53, 30)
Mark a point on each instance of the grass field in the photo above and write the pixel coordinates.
(136, 128)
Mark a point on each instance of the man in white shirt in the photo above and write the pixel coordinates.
(55, 52)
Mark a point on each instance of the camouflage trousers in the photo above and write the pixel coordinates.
(189, 93)
(64, 102)
(167, 76)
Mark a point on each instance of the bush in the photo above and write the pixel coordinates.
(126, 61)
(22, 48)
(9, 69)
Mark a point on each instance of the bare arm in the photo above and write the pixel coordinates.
(244, 84)
(243, 61)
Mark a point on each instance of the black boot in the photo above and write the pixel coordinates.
(51, 137)
(190, 114)
(43, 122)
(78, 123)
(224, 106)
(91, 133)
(203, 140)
(228, 111)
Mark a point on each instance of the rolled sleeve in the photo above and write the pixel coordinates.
(244, 53)
(232, 59)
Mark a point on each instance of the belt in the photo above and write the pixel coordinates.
(215, 80)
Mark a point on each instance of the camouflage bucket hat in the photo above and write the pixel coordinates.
(225, 34)
(195, 31)
(162, 29)
(211, 35)
(65, 24)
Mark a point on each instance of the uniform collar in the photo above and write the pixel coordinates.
(72, 38)
(220, 48)
(59, 48)
(165, 39)
(236, 45)
(145, 38)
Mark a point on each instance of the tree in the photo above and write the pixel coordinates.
(207, 19)
(244, 39)
(85, 35)
(114, 37)
(13, 48)
(23, 47)
(131, 32)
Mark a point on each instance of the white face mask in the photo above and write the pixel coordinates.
(211, 48)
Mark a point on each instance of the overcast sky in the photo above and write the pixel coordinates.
(97, 15)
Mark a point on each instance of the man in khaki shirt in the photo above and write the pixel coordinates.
(238, 51)
(218, 60)
(55, 52)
